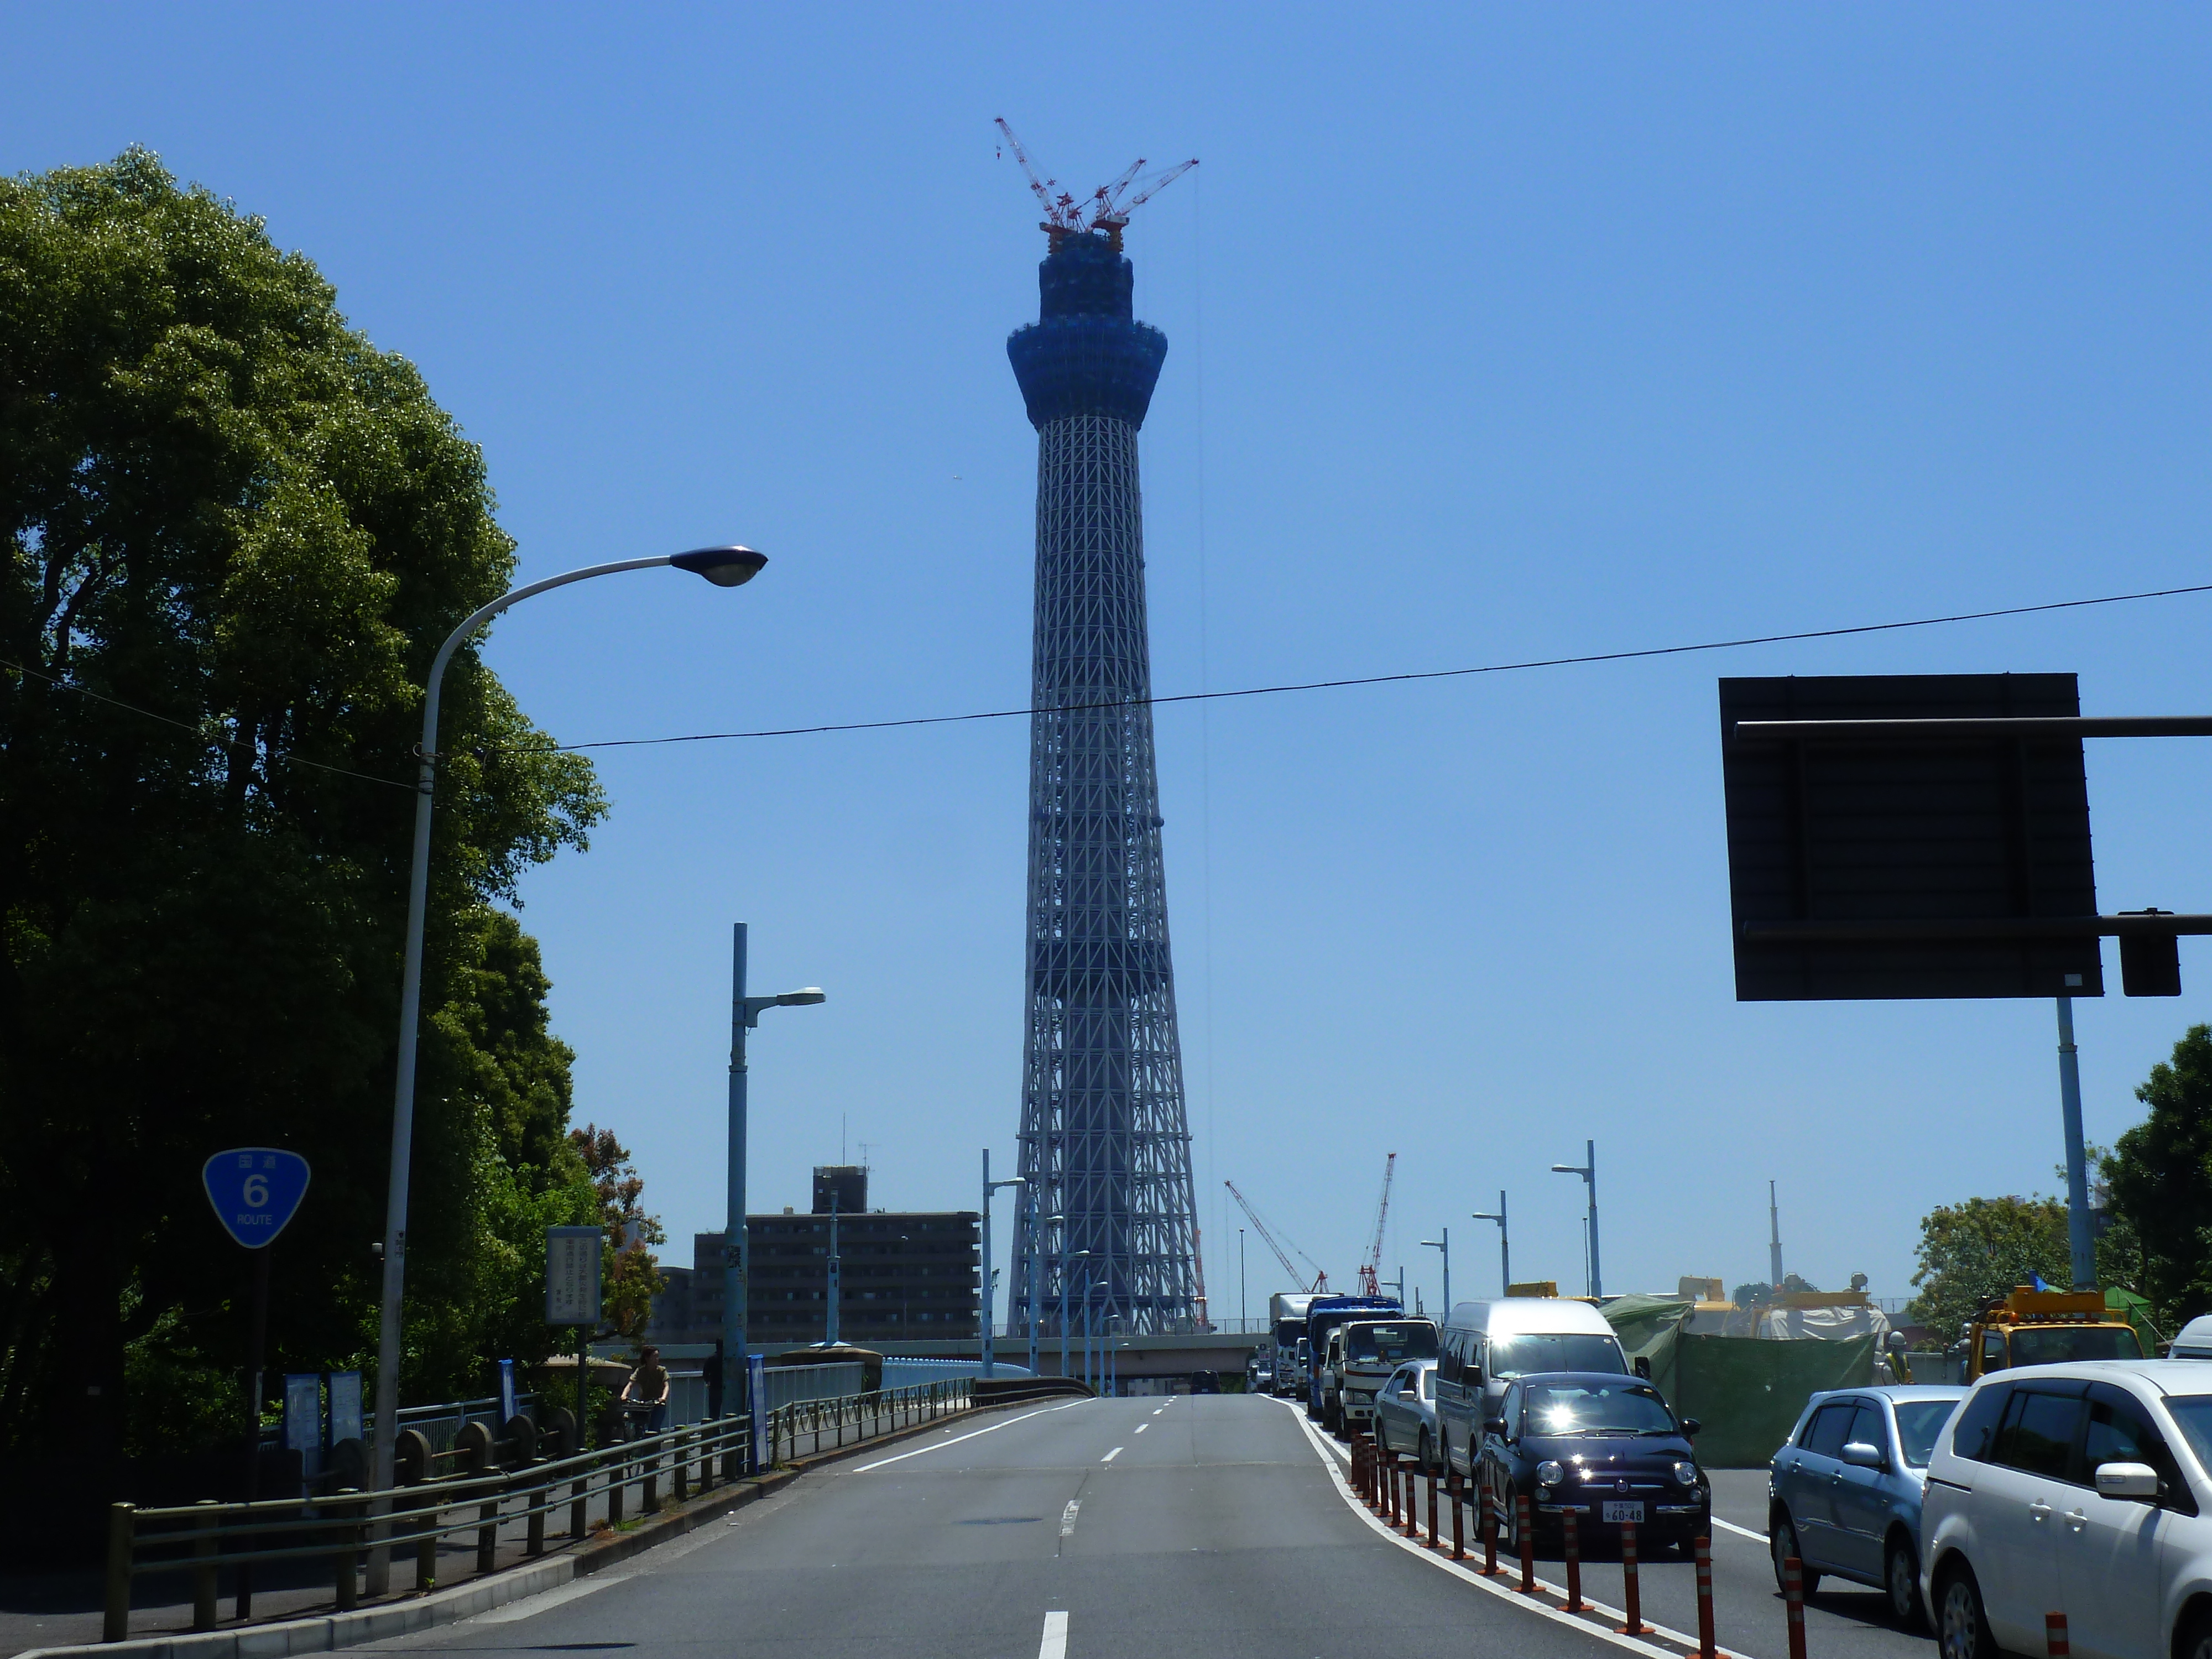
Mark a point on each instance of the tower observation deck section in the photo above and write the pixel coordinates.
(1105, 1141)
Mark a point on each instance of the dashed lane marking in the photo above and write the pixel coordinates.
(941, 1444)
(1055, 1644)
(1067, 1517)
(1142, 1427)
(1111, 1455)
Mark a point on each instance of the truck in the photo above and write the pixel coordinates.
(1286, 1322)
(2030, 1327)
(1370, 1350)
(1325, 1316)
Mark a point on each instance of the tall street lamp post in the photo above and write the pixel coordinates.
(1444, 1244)
(736, 1254)
(724, 567)
(1073, 1256)
(1092, 1369)
(1587, 1170)
(1504, 1245)
(1021, 1184)
(1037, 1275)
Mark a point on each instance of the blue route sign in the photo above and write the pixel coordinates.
(255, 1190)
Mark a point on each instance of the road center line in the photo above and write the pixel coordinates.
(1142, 1427)
(1067, 1519)
(1055, 1644)
(1741, 1532)
(941, 1444)
(1111, 1455)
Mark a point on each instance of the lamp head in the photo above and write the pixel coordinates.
(724, 567)
(801, 999)
(1568, 1168)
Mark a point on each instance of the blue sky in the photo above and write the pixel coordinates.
(1493, 333)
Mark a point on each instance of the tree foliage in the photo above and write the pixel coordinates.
(630, 1273)
(235, 533)
(2159, 1175)
(1983, 1248)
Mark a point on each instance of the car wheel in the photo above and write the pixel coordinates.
(1428, 1453)
(1901, 1578)
(1962, 1628)
(1783, 1537)
(2196, 1638)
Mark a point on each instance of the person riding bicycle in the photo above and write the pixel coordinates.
(648, 1388)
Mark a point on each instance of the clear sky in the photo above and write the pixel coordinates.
(1494, 333)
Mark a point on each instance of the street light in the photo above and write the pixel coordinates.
(1587, 1171)
(737, 1249)
(989, 1276)
(1091, 1367)
(1036, 1271)
(724, 567)
(1073, 1256)
(1504, 1245)
(1445, 1244)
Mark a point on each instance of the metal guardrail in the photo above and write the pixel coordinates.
(342, 1528)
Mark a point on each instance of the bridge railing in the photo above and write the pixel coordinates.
(343, 1528)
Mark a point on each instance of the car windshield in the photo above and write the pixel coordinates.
(1566, 1408)
(2194, 1413)
(2060, 1345)
(1519, 1356)
(1391, 1343)
(1918, 1423)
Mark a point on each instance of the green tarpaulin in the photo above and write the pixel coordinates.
(1745, 1391)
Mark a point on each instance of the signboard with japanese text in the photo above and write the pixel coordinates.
(572, 1275)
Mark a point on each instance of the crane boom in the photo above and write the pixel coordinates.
(1371, 1269)
(1268, 1236)
(1101, 210)
(1055, 214)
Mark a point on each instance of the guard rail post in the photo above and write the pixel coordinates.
(122, 1527)
(203, 1566)
(652, 1503)
(1632, 1593)
(1706, 1647)
(1526, 1533)
(1793, 1603)
(580, 1497)
(1570, 1550)
(679, 1465)
(346, 1565)
(614, 1491)
(488, 1534)
(538, 1497)
(426, 1553)
(1432, 1509)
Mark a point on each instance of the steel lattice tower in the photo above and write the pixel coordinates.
(1105, 1141)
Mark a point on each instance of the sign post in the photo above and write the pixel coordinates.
(572, 1297)
(255, 1192)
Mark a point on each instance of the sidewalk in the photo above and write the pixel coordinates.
(65, 1609)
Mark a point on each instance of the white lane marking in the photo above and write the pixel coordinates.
(1142, 1427)
(1161, 1409)
(1067, 1517)
(941, 1444)
(1604, 1633)
(1741, 1532)
(531, 1606)
(1054, 1645)
(1111, 1455)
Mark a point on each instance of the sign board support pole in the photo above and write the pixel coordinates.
(583, 1387)
(2078, 1238)
(256, 1361)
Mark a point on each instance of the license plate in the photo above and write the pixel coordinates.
(1618, 1512)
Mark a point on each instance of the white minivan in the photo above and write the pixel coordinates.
(1485, 1345)
(2079, 1489)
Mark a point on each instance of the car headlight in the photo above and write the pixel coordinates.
(1549, 1474)
(1687, 1473)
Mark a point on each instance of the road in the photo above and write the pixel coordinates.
(1103, 1529)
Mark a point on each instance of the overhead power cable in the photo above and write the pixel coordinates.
(1401, 678)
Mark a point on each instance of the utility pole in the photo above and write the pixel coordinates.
(1444, 1244)
(1504, 1245)
(2081, 1242)
(1774, 1240)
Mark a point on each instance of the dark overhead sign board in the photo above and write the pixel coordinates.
(1883, 867)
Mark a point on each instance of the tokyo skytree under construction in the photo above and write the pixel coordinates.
(1109, 1221)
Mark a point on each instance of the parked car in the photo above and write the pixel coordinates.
(2080, 1489)
(1487, 1344)
(1603, 1445)
(1405, 1412)
(1844, 1494)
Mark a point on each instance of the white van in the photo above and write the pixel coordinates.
(1485, 1345)
(2195, 1342)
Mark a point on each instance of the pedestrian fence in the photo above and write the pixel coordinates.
(504, 1484)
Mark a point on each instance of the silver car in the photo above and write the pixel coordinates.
(1406, 1410)
(1844, 1494)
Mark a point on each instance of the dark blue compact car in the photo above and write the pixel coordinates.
(1603, 1447)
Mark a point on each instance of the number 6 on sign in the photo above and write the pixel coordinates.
(256, 1191)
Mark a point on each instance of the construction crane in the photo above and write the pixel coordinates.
(1370, 1283)
(1102, 209)
(1266, 1235)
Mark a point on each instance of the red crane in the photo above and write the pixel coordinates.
(1267, 1237)
(1102, 209)
(1370, 1283)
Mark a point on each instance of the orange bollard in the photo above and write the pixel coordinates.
(1390, 1507)
(1706, 1647)
(2055, 1640)
(1527, 1544)
(1631, 1595)
(1572, 1549)
(1459, 1518)
(1432, 1509)
(1412, 1501)
(1793, 1601)
(1485, 1523)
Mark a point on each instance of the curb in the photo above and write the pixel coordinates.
(326, 1632)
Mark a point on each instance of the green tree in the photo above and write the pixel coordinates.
(630, 1273)
(235, 533)
(2159, 1175)
(1983, 1248)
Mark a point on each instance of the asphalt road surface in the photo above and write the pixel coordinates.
(1103, 1530)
